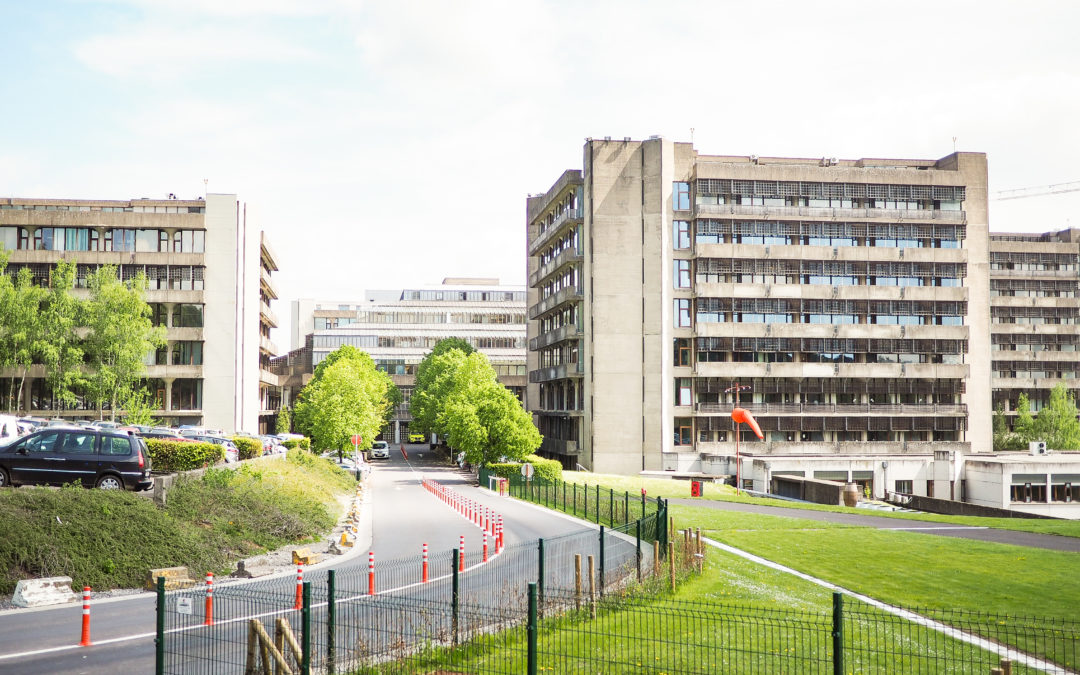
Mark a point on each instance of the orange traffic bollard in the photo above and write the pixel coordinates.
(299, 587)
(461, 554)
(485, 546)
(371, 572)
(85, 617)
(209, 599)
(424, 576)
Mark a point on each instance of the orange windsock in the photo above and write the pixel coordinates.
(743, 416)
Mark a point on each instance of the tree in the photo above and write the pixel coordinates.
(424, 404)
(1024, 426)
(472, 410)
(20, 317)
(347, 396)
(393, 400)
(120, 335)
(283, 424)
(57, 344)
(1057, 422)
(139, 405)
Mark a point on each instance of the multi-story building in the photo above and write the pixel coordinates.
(399, 327)
(1034, 311)
(847, 299)
(209, 275)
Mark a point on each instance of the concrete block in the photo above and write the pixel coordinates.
(175, 577)
(245, 571)
(305, 556)
(41, 592)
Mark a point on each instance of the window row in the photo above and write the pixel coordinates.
(766, 386)
(568, 278)
(94, 239)
(566, 241)
(415, 317)
(773, 188)
(103, 209)
(183, 315)
(465, 296)
(828, 272)
(183, 353)
(890, 235)
(778, 310)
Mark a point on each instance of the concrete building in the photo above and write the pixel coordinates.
(850, 298)
(1044, 484)
(209, 275)
(399, 327)
(1034, 311)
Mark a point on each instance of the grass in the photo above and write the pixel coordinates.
(669, 488)
(108, 539)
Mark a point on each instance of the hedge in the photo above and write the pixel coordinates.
(170, 456)
(545, 469)
(247, 447)
(302, 443)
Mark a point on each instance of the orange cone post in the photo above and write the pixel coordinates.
(299, 587)
(461, 554)
(424, 575)
(485, 546)
(209, 599)
(85, 642)
(371, 572)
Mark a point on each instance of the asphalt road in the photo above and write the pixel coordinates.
(1030, 539)
(403, 516)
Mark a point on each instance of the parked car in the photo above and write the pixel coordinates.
(417, 438)
(380, 450)
(167, 434)
(56, 456)
(9, 429)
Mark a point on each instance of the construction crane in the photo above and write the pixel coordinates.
(1039, 191)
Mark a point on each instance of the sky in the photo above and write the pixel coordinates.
(393, 143)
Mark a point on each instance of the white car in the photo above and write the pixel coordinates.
(380, 450)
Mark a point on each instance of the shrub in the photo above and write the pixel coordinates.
(247, 447)
(171, 456)
(548, 470)
(302, 443)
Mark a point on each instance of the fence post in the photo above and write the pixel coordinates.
(564, 496)
(611, 506)
(601, 561)
(577, 581)
(454, 596)
(838, 633)
(159, 639)
(540, 570)
(626, 507)
(331, 620)
(662, 522)
(637, 549)
(305, 622)
(531, 629)
(586, 491)
(597, 503)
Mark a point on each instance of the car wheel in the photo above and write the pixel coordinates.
(110, 482)
(4, 482)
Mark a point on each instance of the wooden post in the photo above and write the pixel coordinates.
(592, 589)
(656, 559)
(1006, 667)
(577, 581)
(700, 552)
(671, 563)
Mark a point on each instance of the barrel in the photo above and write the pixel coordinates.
(851, 494)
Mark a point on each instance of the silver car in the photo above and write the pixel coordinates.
(380, 450)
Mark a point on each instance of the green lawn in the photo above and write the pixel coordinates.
(668, 488)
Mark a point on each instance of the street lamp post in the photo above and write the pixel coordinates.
(738, 464)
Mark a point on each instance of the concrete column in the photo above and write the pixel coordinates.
(168, 393)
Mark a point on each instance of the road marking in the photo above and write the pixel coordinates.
(943, 527)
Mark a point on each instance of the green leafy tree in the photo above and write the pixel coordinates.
(348, 396)
(283, 423)
(20, 327)
(1057, 422)
(475, 413)
(57, 343)
(393, 400)
(120, 335)
(1024, 426)
(139, 405)
(424, 405)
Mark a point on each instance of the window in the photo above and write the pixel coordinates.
(682, 312)
(682, 273)
(43, 444)
(683, 391)
(680, 235)
(680, 196)
(187, 316)
(189, 241)
(682, 352)
(683, 434)
(115, 445)
(78, 443)
(186, 394)
(187, 353)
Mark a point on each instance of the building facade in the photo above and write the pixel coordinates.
(397, 328)
(209, 275)
(848, 300)
(1034, 311)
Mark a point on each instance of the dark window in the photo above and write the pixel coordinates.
(115, 445)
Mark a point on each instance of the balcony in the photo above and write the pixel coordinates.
(268, 284)
(555, 446)
(267, 345)
(889, 215)
(570, 255)
(560, 334)
(266, 377)
(559, 372)
(832, 448)
(823, 409)
(544, 306)
(556, 412)
(567, 216)
(268, 314)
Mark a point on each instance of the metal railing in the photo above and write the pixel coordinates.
(838, 408)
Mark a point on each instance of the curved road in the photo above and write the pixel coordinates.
(402, 516)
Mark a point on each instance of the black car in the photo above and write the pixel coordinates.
(110, 460)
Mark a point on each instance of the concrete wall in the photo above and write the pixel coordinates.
(222, 332)
(809, 489)
(954, 508)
